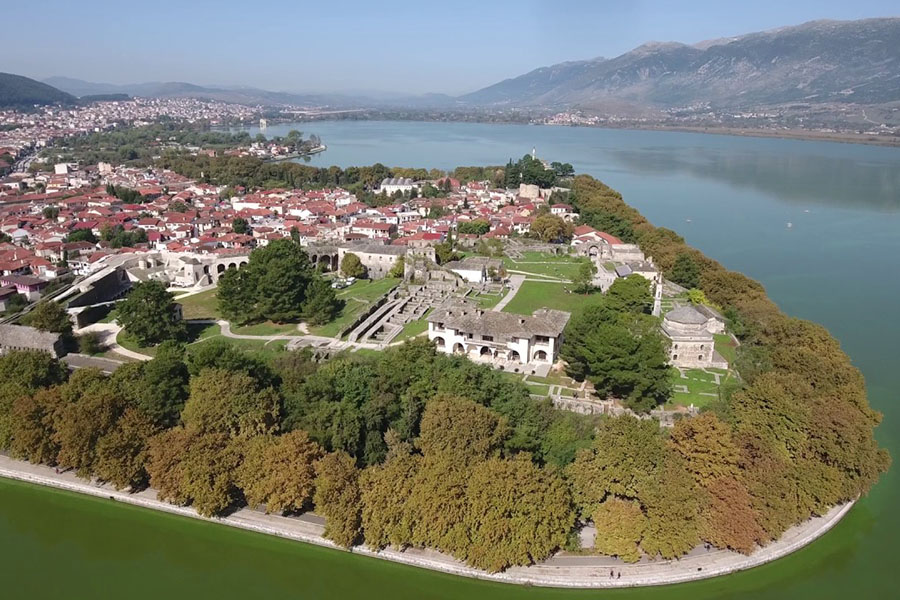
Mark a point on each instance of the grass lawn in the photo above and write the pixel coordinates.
(536, 263)
(698, 384)
(197, 332)
(487, 301)
(538, 294)
(726, 347)
(357, 298)
(537, 389)
(200, 306)
(268, 328)
(413, 328)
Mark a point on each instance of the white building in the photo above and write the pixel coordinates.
(502, 339)
(476, 269)
(693, 344)
(391, 185)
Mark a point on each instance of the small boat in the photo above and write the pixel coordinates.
(790, 224)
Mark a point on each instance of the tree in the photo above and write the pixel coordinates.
(32, 425)
(706, 446)
(351, 266)
(50, 212)
(728, 519)
(584, 279)
(322, 305)
(337, 498)
(444, 253)
(685, 272)
(279, 472)
(89, 343)
(165, 453)
(398, 270)
(230, 404)
(385, 492)
(630, 294)
(671, 504)
(273, 285)
(209, 469)
(622, 354)
(121, 453)
(50, 316)
(240, 225)
(220, 354)
(626, 454)
(517, 513)
(149, 315)
(82, 422)
(551, 228)
(461, 430)
(162, 389)
(81, 235)
(477, 227)
(620, 526)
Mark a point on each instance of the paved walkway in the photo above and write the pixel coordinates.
(559, 571)
(108, 333)
(515, 282)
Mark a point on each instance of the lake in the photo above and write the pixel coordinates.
(732, 197)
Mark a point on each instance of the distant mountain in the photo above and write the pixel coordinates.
(241, 94)
(820, 61)
(18, 91)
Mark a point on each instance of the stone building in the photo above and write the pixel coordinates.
(693, 344)
(497, 337)
(476, 269)
(20, 337)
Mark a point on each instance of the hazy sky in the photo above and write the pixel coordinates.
(390, 46)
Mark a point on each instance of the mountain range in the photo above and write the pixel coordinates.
(21, 92)
(819, 61)
(814, 63)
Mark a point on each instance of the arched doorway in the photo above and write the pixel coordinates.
(439, 342)
(514, 355)
(540, 355)
(458, 349)
(220, 269)
(485, 351)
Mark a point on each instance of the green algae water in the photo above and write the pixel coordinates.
(838, 263)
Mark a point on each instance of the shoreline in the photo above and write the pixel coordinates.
(560, 571)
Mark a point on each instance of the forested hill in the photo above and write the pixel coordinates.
(820, 61)
(17, 91)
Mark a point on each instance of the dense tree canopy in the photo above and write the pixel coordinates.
(623, 354)
(278, 284)
(149, 315)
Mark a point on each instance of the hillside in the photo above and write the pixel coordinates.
(19, 92)
(820, 61)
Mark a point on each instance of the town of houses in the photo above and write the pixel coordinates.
(22, 132)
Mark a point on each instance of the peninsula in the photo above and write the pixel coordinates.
(504, 372)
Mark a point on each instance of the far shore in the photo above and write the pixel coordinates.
(561, 571)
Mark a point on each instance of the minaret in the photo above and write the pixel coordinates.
(657, 296)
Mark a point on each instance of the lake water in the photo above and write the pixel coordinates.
(732, 197)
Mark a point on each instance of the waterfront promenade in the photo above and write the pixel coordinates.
(563, 570)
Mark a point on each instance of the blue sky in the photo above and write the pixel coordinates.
(389, 46)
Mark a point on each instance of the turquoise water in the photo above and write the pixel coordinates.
(839, 264)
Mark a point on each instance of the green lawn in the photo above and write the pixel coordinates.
(268, 328)
(487, 301)
(200, 306)
(699, 384)
(536, 263)
(538, 294)
(537, 389)
(726, 347)
(197, 332)
(357, 298)
(413, 328)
